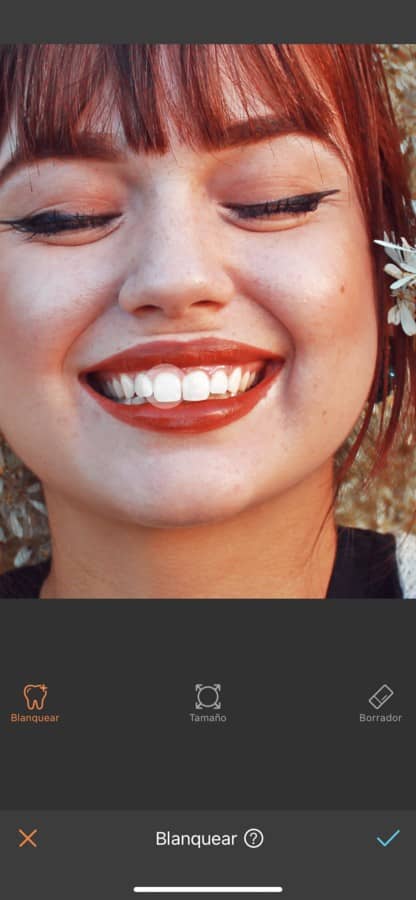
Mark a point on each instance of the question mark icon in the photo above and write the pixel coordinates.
(253, 838)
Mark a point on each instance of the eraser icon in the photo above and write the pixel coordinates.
(381, 696)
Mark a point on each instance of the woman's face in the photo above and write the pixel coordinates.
(177, 262)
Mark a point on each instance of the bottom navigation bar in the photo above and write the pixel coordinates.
(118, 854)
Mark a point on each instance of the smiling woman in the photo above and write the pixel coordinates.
(191, 289)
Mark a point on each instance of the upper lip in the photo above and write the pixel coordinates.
(200, 352)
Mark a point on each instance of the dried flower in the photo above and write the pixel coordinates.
(22, 557)
(403, 270)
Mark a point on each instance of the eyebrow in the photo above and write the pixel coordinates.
(254, 130)
(88, 146)
(101, 146)
(261, 128)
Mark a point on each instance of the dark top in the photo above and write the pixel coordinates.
(365, 567)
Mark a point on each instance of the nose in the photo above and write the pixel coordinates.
(178, 268)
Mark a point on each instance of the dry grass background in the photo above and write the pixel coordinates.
(387, 505)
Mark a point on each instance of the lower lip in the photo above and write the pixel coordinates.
(189, 417)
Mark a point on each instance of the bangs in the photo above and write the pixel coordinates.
(54, 92)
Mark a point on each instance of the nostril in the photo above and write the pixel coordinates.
(146, 307)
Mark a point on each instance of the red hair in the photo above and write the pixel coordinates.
(312, 88)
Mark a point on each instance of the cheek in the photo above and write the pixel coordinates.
(45, 304)
(322, 314)
(321, 300)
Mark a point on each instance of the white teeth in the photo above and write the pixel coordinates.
(219, 382)
(244, 381)
(118, 390)
(195, 386)
(143, 385)
(108, 385)
(234, 381)
(167, 387)
(127, 384)
(168, 384)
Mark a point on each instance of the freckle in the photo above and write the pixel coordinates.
(342, 290)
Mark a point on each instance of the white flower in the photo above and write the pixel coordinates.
(403, 270)
(402, 254)
(402, 279)
(403, 314)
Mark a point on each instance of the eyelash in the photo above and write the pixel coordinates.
(302, 203)
(50, 223)
(53, 222)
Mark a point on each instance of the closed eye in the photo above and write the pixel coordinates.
(301, 203)
(53, 222)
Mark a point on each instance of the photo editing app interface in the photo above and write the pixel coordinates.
(238, 747)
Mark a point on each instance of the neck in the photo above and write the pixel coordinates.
(276, 549)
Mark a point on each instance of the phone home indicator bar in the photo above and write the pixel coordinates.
(208, 890)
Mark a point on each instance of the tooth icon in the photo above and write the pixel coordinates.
(35, 696)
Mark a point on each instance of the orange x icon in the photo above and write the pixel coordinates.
(27, 838)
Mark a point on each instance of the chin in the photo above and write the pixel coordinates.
(169, 511)
(185, 517)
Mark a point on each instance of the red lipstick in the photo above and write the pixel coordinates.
(201, 352)
(192, 417)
